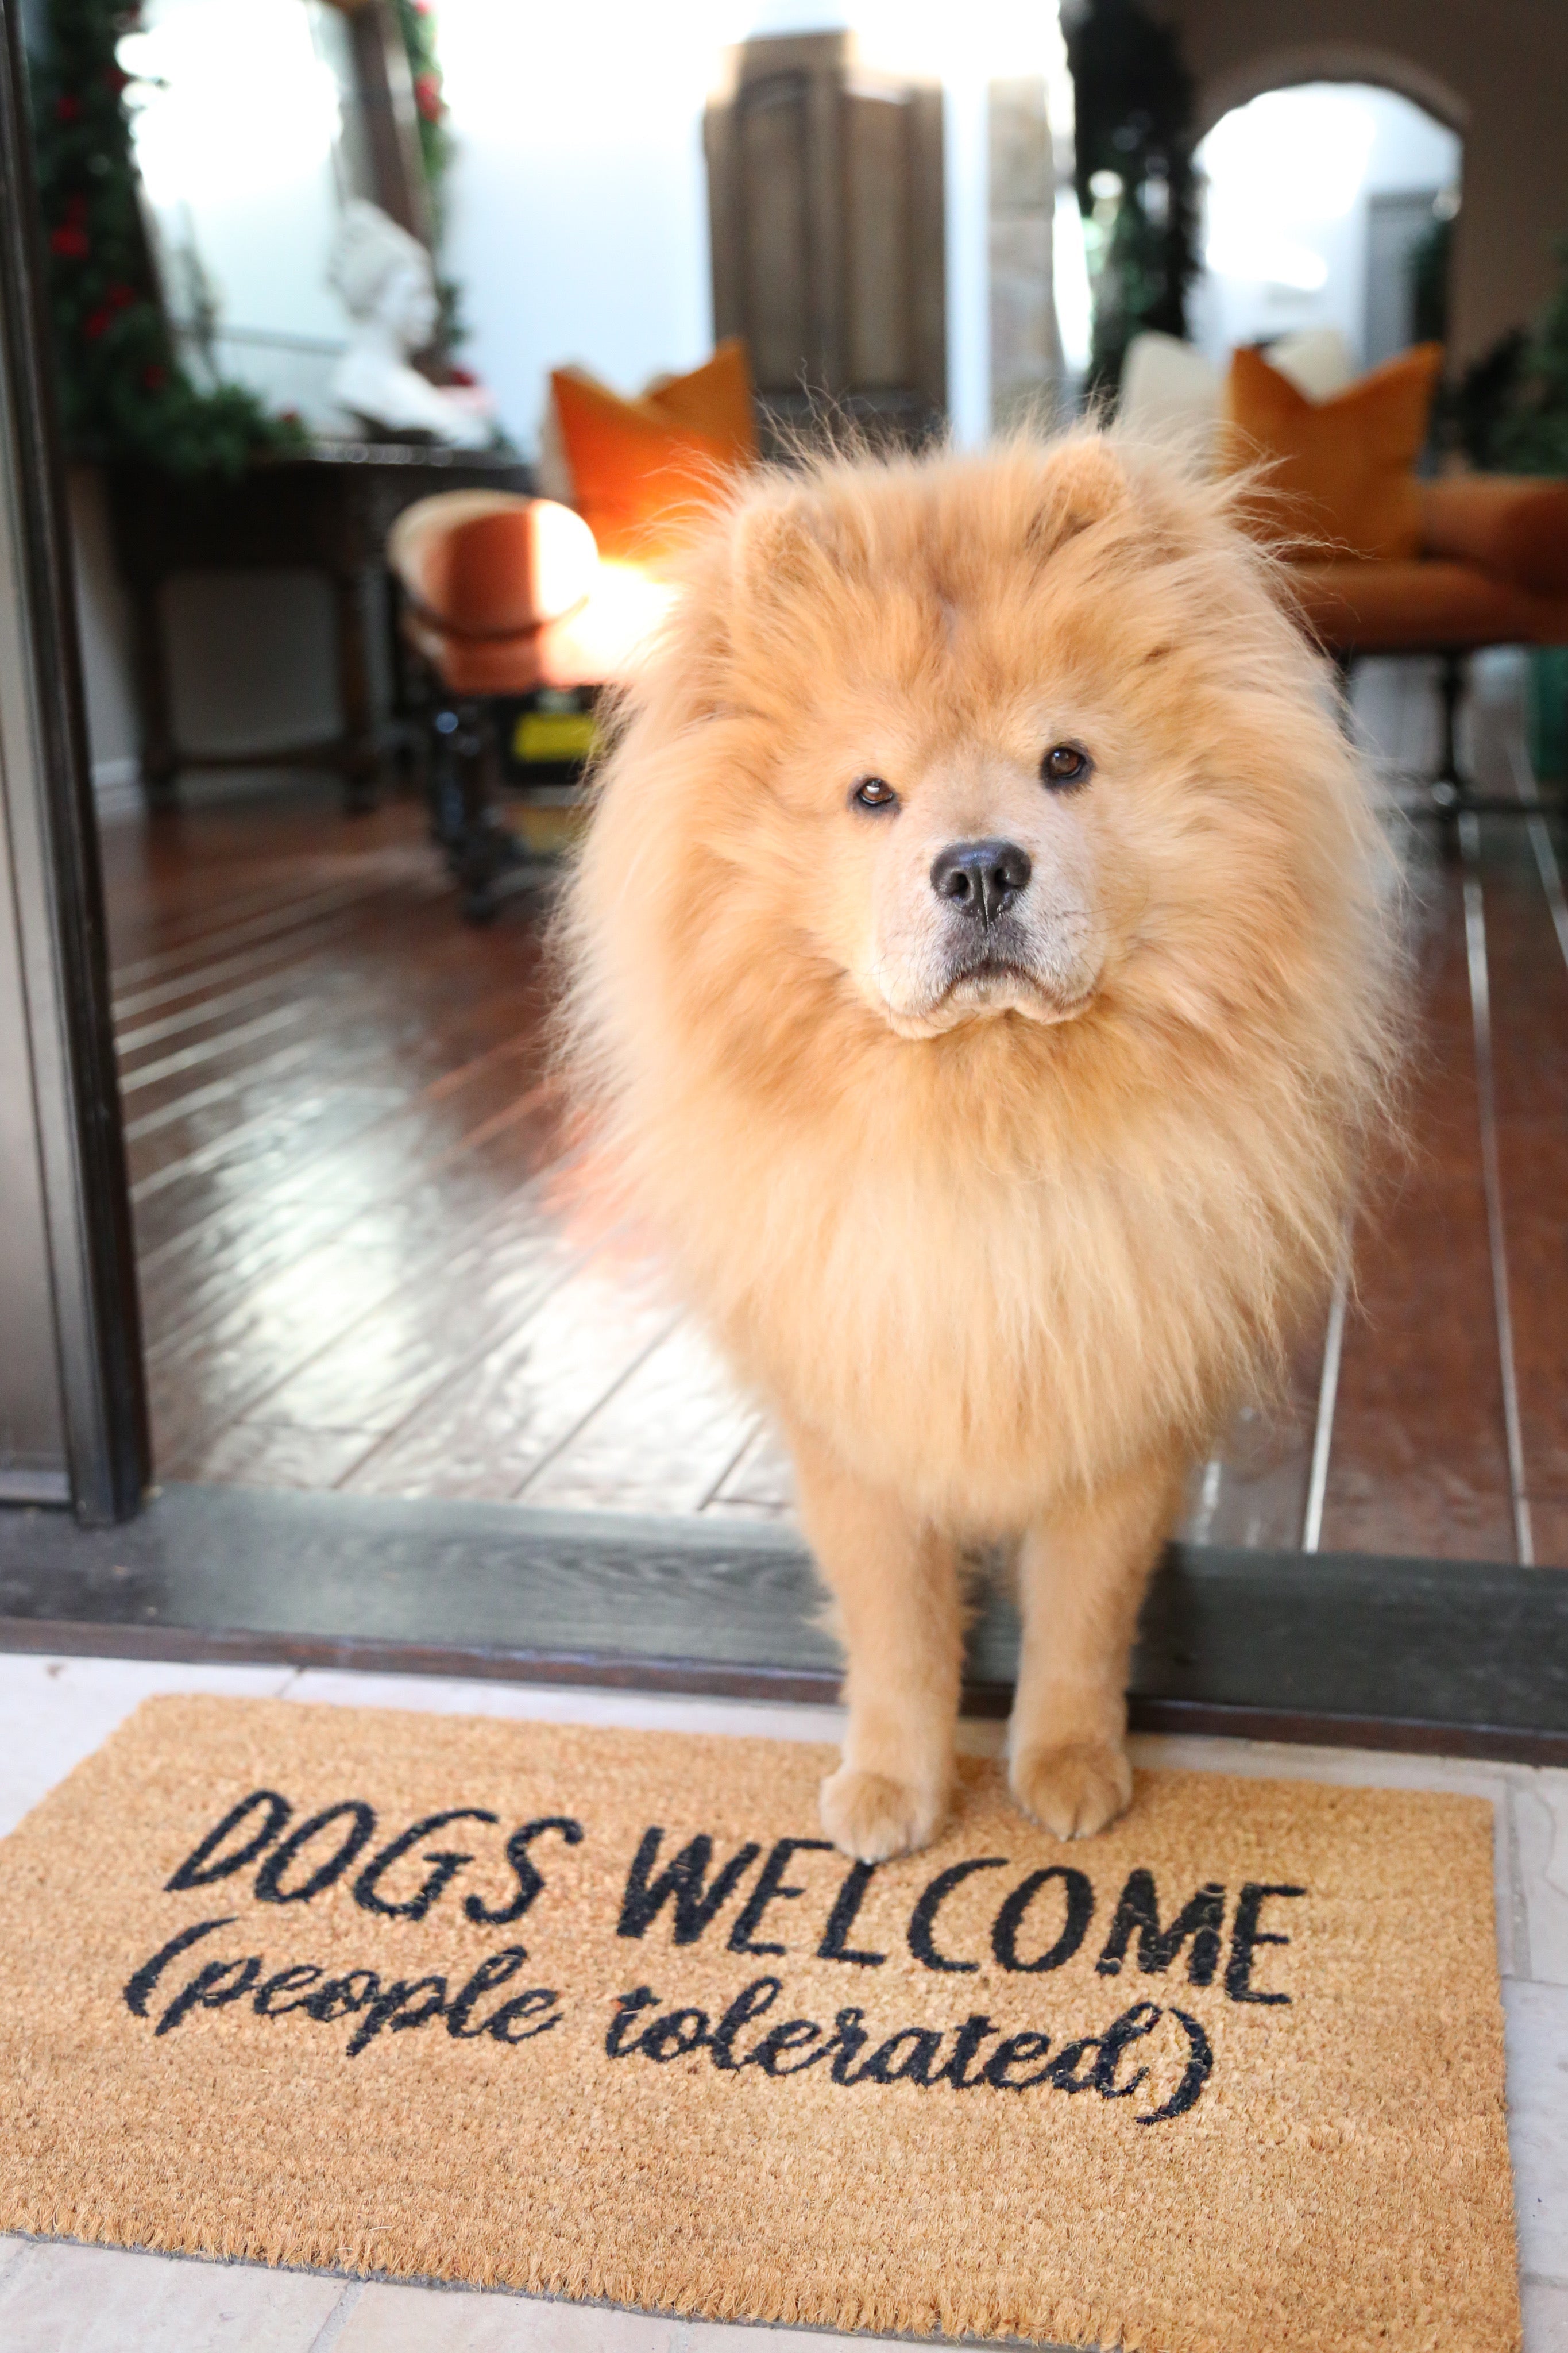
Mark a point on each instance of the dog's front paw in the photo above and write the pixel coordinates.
(1075, 1789)
(873, 1817)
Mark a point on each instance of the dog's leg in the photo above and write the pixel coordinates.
(897, 1586)
(1082, 1575)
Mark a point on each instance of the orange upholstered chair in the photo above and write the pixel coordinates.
(504, 596)
(1389, 563)
(1490, 569)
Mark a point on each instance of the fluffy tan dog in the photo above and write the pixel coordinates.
(981, 979)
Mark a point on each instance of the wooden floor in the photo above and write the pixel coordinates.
(355, 1275)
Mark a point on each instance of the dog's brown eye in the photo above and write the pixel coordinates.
(874, 793)
(1066, 763)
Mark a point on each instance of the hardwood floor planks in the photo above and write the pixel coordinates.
(1419, 1456)
(662, 1442)
(489, 1428)
(360, 1269)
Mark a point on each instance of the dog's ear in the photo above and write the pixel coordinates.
(1085, 485)
(745, 577)
(783, 542)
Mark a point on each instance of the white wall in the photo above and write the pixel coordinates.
(104, 627)
(1289, 180)
(245, 201)
(578, 231)
(579, 212)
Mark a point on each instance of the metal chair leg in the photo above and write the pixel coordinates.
(1450, 789)
(463, 819)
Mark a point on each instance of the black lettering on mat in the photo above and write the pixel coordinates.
(1010, 1919)
(922, 1920)
(530, 1879)
(200, 1870)
(1247, 1934)
(771, 1889)
(911, 2055)
(1202, 1920)
(359, 1994)
(684, 1880)
(447, 1865)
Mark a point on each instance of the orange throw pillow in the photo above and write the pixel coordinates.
(1342, 470)
(715, 399)
(640, 469)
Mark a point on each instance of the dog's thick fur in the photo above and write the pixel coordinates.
(1000, 1240)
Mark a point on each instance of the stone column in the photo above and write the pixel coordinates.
(1025, 356)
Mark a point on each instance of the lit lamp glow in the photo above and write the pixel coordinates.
(565, 561)
(606, 636)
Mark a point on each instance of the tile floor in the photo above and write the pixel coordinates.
(62, 2298)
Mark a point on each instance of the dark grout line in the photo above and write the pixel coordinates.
(733, 1464)
(321, 929)
(211, 1049)
(1491, 1178)
(554, 1453)
(272, 915)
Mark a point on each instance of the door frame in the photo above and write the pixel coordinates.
(1358, 1651)
(47, 805)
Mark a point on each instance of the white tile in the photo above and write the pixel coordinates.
(715, 2336)
(58, 1710)
(1537, 2019)
(444, 2320)
(1545, 2305)
(386, 2319)
(59, 2298)
(558, 1704)
(1540, 1802)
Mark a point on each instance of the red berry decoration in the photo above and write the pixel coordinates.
(97, 323)
(69, 242)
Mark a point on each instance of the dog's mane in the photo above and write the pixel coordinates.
(1096, 1228)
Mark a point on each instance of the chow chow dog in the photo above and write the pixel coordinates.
(982, 981)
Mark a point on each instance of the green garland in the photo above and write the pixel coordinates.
(416, 23)
(123, 393)
(1510, 408)
(1133, 101)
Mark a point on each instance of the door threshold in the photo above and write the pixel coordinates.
(1466, 1658)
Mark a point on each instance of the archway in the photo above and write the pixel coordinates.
(1330, 61)
(1326, 210)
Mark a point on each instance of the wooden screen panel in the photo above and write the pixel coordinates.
(877, 235)
(827, 211)
(773, 131)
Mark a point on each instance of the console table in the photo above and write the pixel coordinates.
(327, 510)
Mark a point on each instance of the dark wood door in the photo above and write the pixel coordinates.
(825, 181)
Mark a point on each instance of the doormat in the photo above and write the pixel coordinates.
(599, 2014)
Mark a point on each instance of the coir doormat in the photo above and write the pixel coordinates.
(599, 2014)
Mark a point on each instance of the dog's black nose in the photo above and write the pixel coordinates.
(981, 878)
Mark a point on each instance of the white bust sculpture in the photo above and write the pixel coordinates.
(388, 288)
